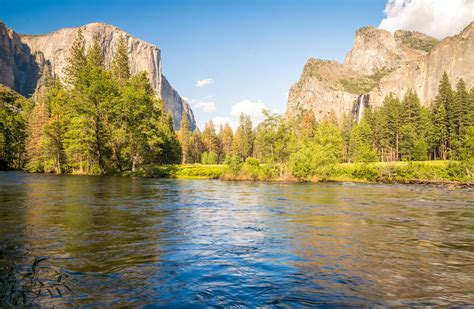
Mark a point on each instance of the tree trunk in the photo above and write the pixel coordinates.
(99, 148)
(396, 147)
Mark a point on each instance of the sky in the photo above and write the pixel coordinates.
(232, 56)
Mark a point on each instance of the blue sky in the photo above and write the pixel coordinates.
(251, 51)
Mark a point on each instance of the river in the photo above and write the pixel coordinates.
(164, 242)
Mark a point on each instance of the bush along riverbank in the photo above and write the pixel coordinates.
(436, 172)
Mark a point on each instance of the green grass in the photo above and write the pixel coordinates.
(384, 172)
(405, 172)
(195, 171)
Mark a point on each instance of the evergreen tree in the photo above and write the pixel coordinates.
(226, 136)
(445, 97)
(55, 129)
(462, 108)
(196, 147)
(14, 111)
(184, 136)
(35, 143)
(171, 148)
(346, 128)
(95, 58)
(440, 131)
(391, 115)
(361, 148)
(120, 63)
(411, 110)
(210, 137)
(243, 138)
(77, 60)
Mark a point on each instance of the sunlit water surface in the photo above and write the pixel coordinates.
(152, 242)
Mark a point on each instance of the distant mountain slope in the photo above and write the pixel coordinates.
(378, 64)
(25, 58)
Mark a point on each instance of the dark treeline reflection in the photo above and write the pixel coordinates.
(136, 241)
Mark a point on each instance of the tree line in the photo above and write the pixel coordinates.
(399, 130)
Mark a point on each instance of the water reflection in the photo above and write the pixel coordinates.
(134, 241)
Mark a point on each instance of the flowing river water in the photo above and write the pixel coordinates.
(161, 242)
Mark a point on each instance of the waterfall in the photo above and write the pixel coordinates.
(361, 107)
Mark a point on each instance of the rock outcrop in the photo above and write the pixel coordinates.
(19, 69)
(381, 63)
(53, 49)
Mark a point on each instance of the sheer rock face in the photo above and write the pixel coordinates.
(18, 67)
(320, 90)
(381, 63)
(54, 48)
(455, 55)
(174, 102)
(376, 49)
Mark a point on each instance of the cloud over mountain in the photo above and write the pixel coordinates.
(438, 18)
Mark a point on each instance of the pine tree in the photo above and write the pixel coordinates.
(196, 147)
(462, 107)
(54, 131)
(441, 133)
(445, 97)
(184, 136)
(210, 137)
(77, 60)
(361, 148)
(120, 63)
(95, 57)
(226, 136)
(243, 138)
(411, 110)
(35, 142)
(391, 124)
(171, 148)
(346, 128)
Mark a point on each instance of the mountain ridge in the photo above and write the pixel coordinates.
(51, 50)
(381, 63)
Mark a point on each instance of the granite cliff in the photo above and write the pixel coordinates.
(26, 60)
(378, 64)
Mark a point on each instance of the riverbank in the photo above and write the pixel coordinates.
(420, 172)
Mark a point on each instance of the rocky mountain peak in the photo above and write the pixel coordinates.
(381, 63)
(377, 49)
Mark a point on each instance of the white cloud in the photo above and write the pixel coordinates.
(205, 82)
(437, 18)
(205, 106)
(219, 120)
(247, 107)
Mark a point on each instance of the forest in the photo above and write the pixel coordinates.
(105, 120)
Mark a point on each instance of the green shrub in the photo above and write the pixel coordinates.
(204, 156)
(250, 169)
(301, 163)
(234, 164)
(366, 171)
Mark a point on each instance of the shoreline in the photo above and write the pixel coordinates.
(442, 183)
